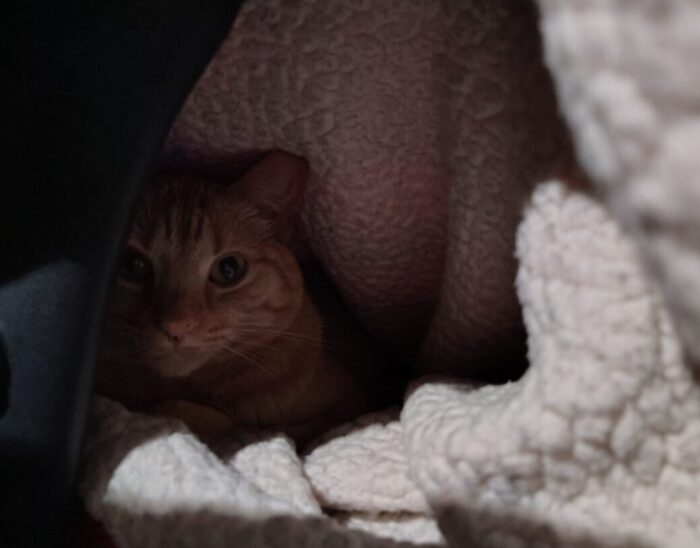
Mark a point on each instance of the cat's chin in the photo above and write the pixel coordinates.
(179, 364)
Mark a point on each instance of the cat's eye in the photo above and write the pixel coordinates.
(135, 267)
(228, 270)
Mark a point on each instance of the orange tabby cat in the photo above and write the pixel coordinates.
(211, 307)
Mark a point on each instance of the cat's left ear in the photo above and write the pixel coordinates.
(275, 186)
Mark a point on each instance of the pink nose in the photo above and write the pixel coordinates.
(177, 329)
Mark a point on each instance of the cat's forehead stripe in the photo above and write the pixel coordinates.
(178, 206)
(183, 211)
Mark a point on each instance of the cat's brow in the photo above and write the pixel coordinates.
(199, 229)
(184, 213)
(189, 223)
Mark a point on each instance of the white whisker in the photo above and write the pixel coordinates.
(247, 357)
(253, 329)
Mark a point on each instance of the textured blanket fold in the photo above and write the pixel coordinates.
(428, 126)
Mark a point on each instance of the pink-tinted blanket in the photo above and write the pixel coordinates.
(431, 128)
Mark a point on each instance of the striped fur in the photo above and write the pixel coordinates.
(259, 351)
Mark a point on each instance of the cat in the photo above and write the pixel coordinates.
(211, 308)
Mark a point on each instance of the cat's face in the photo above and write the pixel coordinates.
(204, 275)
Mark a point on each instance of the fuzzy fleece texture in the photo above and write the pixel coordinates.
(427, 125)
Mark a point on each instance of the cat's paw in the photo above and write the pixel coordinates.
(202, 420)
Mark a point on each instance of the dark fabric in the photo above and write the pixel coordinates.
(89, 91)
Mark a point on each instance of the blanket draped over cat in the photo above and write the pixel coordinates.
(426, 126)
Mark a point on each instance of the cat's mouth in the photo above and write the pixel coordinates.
(180, 362)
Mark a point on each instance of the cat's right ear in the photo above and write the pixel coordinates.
(275, 186)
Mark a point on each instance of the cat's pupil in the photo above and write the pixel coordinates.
(137, 264)
(135, 267)
(229, 268)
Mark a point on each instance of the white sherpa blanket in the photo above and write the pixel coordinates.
(598, 444)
